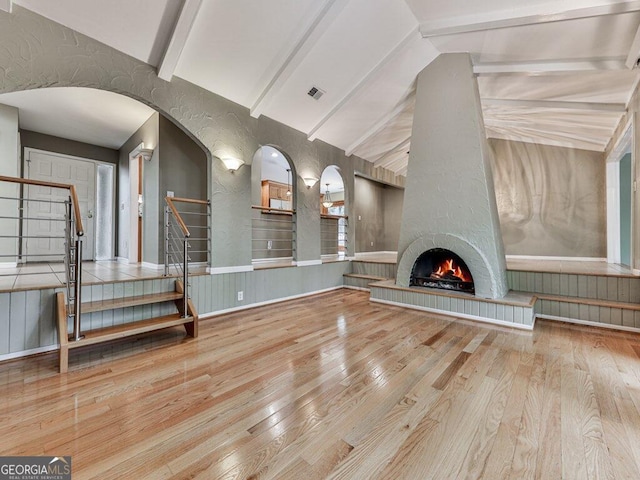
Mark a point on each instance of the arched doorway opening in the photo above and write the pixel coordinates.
(117, 140)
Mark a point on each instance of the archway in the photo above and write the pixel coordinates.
(333, 214)
(273, 197)
(62, 122)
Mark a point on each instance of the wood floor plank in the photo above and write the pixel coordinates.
(334, 386)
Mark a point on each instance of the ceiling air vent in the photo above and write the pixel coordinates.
(315, 93)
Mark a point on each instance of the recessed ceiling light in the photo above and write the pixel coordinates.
(274, 154)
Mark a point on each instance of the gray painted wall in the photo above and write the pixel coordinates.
(551, 200)
(452, 201)
(369, 215)
(149, 134)
(377, 215)
(393, 203)
(51, 143)
(183, 170)
(625, 209)
(9, 166)
(40, 53)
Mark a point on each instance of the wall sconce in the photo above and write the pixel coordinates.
(310, 181)
(145, 153)
(232, 164)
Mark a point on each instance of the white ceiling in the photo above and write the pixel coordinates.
(85, 115)
(550, 72)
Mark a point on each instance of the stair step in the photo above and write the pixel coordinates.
(373, 278)
(588, 301)
(129, 329)
(102, 305)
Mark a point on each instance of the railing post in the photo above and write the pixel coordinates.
(185, 274)
(78, 291)
(166, 241)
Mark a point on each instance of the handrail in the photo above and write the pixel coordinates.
(334, 217)
(274, 210)
(40, 183)
(190, 200)
(174, 210)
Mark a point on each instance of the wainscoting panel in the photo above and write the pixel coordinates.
(27, 322)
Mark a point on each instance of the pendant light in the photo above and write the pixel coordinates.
(326, 201)
(288, 183)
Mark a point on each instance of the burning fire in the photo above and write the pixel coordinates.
(449, 268)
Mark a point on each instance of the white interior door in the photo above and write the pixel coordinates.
(53, 167)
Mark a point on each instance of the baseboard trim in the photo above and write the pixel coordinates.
(588, 323)
(361, 289)
(559, 259)
(457, 315)
(8, 265)
(123, 260)
(28, 353)
(152, 266)
(381, 252)
(234, 269)
(266, 302)
(307, 263)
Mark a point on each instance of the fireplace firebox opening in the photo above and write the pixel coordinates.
(441, 268)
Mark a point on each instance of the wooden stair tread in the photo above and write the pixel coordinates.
(128, 329)
(110, 304)
(588, 301)
(364, 276)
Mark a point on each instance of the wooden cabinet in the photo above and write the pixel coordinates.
(274, 190)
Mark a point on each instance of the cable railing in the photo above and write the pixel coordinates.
(178, 238)
(60, 213)
(272, 233)
(333, 234)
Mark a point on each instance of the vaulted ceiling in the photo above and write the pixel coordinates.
(551, 72)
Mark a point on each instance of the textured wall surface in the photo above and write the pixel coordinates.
(551, 200)
(183, 170)
(39, 53)
(449, 188)
(369, 215)
(148, 133)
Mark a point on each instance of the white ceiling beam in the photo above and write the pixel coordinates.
(398, 161)
(551, 67)
(596, 134)
(314, 30)
(589, 106)
(633, 57)
(380, 124)
(178, 39)
(380, 161)
(504, 20)
(6, 5)
(576, 144)
(370, 75)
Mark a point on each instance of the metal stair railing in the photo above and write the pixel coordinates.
(178, 238)
(72, 236)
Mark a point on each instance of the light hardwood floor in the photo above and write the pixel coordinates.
(333, 386)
